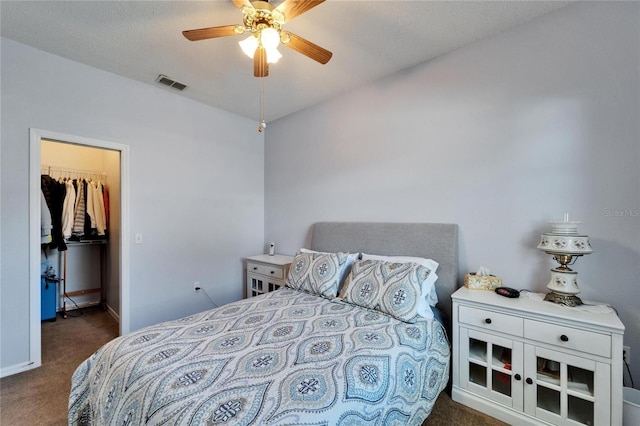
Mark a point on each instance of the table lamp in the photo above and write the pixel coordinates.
(565, 245)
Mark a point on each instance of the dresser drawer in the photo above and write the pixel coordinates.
(567, 337)
(491, 320)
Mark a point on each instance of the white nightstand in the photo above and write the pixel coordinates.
(526, 361)
(266, 273)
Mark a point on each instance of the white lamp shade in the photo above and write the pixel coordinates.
(564, 239)
(273, 55)
(249, 45)
(269, 38)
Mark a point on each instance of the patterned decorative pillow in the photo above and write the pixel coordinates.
(351, 257)
(389, 287)
(429, 295)
(317, 273)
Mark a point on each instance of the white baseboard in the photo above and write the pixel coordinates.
(111, 311)
(81, 305)
(18, 368)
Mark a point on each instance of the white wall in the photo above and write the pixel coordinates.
(196, 186)
(499, 137)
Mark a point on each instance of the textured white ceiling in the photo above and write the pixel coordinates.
(369, 40)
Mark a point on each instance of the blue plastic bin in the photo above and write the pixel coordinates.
(48, 293)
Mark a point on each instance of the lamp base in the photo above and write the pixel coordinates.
(563, 299)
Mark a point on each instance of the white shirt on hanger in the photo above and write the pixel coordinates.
(68, 209)
(98, 208)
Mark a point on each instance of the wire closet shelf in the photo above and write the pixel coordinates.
(60, 172)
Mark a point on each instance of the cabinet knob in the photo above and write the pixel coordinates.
(564, 338)
(529, 381)
(517, 377)
(272, 272)
(255, 268)
(488, 320)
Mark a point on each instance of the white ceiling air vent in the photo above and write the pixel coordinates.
(163, 79)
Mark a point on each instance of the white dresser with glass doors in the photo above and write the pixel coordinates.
(266, 273)
(526, 361)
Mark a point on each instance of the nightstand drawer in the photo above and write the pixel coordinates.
(274, 272)
(256, 268)
(567, 337)
(268, 270)
(491, 320)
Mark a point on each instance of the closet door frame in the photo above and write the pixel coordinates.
(35, 138)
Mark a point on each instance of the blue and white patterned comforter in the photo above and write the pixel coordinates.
(283, 358)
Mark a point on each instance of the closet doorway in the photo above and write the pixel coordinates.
(96, 268)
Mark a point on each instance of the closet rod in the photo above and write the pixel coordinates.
(78, 173)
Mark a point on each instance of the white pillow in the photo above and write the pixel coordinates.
(430, 297)
(351, 258)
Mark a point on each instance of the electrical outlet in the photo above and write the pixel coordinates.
(626, 350)
(196, 285)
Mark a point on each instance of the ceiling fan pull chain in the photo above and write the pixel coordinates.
(262, 124)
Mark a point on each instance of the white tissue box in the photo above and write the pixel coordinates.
(482, 282)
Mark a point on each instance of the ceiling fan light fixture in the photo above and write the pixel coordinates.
(269, 38)
(249, 45)
(264, 22)
(273, 55)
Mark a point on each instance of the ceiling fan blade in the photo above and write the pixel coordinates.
(292, 8)
(212, 32)
(242, 3)
(307, 48)
(260, 65)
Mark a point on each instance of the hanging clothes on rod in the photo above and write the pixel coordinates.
(68, 208)
(77, 203)
(45, 221)
(54, 193)
(80, 210)
(95, 207)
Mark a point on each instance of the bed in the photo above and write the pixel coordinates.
(292, 356)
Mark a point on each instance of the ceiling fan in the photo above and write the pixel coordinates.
(264, 22)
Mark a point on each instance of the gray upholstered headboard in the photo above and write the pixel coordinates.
(437, 241)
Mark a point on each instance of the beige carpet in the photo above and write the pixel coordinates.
(39, 397)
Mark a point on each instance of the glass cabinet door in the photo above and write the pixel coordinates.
(256, 286)
(564, 389)
(491, 366)
(272, 286)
